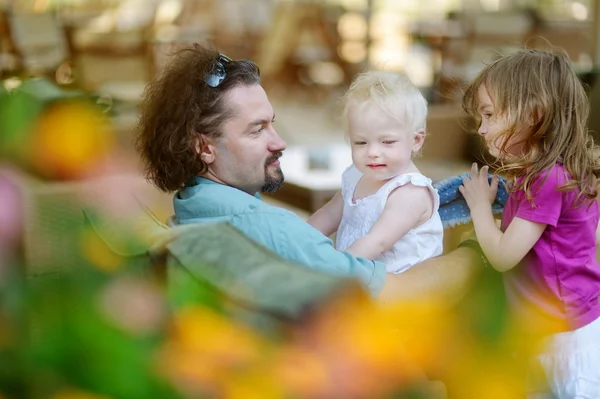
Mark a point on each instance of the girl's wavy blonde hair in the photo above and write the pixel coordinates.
(536, 92)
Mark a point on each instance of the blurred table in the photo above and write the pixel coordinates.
(314, 174)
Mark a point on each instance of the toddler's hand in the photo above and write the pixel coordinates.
(477, 190)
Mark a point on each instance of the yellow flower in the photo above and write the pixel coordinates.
(255, 383)
(98, 253)
(205, 349)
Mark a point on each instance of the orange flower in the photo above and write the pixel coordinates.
(302, 372)
(70, 139)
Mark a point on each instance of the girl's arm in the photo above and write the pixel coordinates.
(503, 250)
(328, 218)
(405, 208)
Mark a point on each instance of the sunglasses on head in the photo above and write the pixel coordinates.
(218, 73)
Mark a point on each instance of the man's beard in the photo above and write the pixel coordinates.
(272, 181)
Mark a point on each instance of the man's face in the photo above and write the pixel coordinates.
(246, 156)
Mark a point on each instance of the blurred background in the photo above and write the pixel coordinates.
(72, 74)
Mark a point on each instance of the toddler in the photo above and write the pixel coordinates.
(387, 210)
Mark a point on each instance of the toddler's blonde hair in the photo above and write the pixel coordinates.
(394, 93)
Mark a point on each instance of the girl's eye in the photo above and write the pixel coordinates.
(389, 141)
(487, 116)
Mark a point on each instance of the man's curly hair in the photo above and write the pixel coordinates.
(178, 107)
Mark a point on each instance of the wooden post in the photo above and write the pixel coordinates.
(596, 34)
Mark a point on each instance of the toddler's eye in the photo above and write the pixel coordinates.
(359, 143)
(389, 141)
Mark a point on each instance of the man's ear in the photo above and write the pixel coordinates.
(205, 149)
(418, 140)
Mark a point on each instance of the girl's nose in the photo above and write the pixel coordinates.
(482, 130)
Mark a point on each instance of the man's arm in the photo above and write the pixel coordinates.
(327, 219)
(295, 240)
(446, 277)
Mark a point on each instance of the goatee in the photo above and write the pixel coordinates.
(273, 179)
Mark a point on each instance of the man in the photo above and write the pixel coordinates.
(207, 132)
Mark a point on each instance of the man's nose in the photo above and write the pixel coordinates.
(276, 143)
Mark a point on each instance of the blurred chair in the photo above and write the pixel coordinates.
(302, 37)
(575, 37)
(55, 237)
(113, 51)
(8, 59)
(486, 36)
(39, 44)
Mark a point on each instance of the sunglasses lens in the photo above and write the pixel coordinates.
(214, 80)
(219, 73)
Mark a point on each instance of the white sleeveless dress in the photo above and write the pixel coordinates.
(419, 244)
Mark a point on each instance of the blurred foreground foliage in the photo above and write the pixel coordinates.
(210, 315)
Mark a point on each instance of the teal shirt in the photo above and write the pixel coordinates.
(280, 230)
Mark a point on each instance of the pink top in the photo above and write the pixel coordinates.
(556, 286)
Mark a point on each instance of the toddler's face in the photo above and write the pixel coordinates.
(493, 126)
(382, 147)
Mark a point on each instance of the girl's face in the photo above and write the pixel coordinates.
(382, 147)
(493, 126)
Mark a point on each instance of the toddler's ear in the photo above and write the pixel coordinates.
(418, 140)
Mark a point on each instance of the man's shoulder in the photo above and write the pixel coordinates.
(257, 211)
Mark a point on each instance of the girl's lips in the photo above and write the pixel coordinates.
(376, 166)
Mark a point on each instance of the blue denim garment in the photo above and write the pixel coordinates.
(453, 207)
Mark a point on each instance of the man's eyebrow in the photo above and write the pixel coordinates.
(260, 121)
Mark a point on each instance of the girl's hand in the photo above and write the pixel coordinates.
(477, 190)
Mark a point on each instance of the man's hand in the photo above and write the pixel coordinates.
(477, 191)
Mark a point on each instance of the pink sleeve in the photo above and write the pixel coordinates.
(547, 200)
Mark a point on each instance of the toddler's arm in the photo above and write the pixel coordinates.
(405, 209)
(328, 218)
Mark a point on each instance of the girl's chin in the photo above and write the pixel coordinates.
(503, 157)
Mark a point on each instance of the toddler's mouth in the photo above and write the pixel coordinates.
(376, 165)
